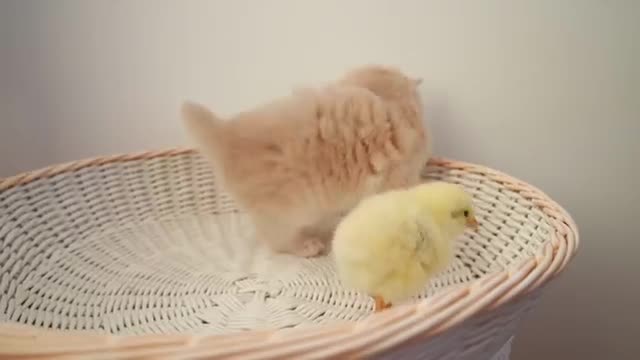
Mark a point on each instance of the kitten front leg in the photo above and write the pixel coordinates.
(311, 241)
(288, 237)
(309, 246)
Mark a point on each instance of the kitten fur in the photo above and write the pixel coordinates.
(298, 164)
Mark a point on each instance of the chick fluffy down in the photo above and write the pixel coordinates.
(390, 246)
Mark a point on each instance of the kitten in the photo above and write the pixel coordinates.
(298, 164)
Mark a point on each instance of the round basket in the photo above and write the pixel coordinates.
(143, 256)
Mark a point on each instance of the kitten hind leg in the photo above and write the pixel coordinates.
(402, 177)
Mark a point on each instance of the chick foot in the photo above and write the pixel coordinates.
(380, 304)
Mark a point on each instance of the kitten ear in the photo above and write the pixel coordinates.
(417, 81)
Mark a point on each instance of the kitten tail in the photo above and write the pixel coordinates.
(206, 130)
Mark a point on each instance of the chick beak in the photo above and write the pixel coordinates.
(472, 222)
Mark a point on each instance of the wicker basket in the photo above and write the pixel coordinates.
(142, 256)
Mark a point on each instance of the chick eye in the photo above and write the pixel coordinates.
(466, 213)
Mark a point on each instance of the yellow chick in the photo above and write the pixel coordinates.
(392, 243)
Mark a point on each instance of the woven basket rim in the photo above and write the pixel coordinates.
(380, 331)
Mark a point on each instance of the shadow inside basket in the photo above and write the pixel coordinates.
(152, 246)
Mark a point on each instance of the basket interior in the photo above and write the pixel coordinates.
(154, 246)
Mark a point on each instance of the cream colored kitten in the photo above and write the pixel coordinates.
(296, 165)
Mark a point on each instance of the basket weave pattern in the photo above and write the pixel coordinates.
(144, 255)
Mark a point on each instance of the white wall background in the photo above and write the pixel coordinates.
(548, 91)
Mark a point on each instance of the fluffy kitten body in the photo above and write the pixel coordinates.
(298, 164)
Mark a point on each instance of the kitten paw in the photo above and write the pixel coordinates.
(310, 247)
